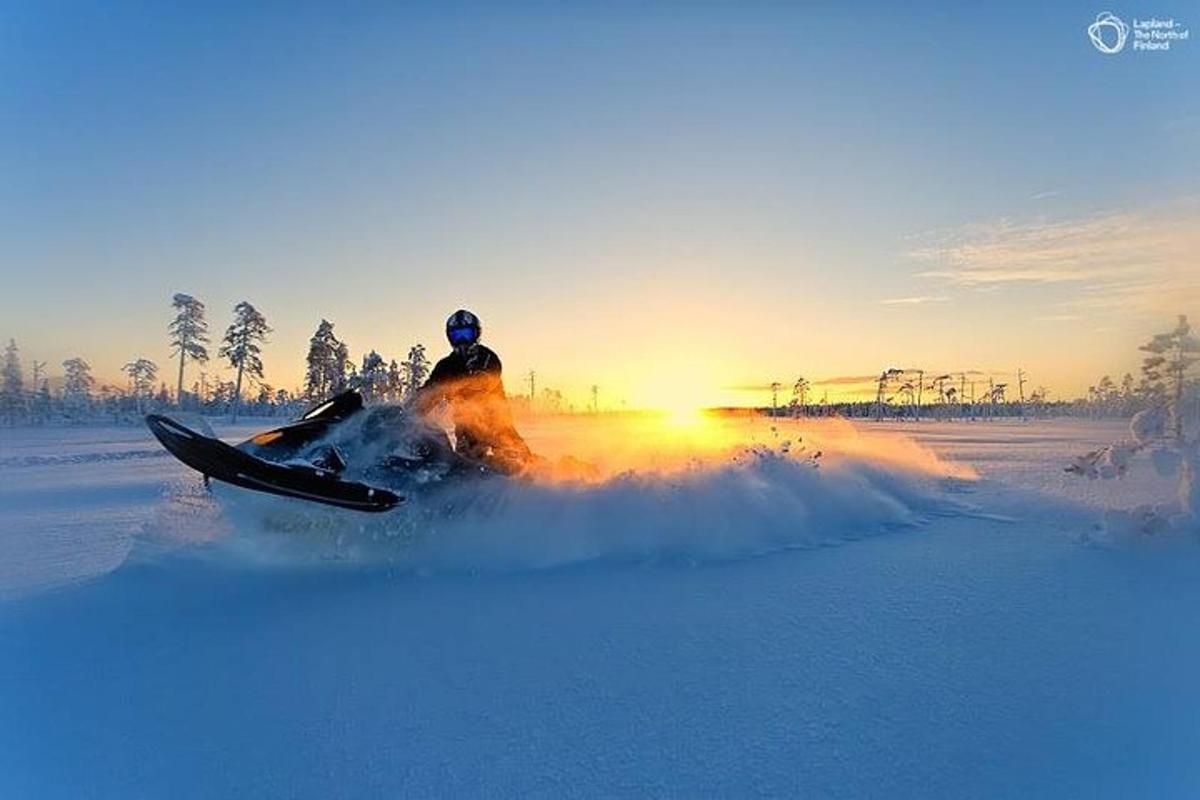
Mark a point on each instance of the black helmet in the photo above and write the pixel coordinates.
(463, 328)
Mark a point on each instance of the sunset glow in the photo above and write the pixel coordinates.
(601, 399)
(711, 212)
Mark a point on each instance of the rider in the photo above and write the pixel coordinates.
(468, 379)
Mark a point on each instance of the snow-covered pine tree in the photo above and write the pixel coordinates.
(262, 402)
(415, 369)
(142, 374)
(316, 363)
(13, 408)
(325, 371)
(242, 347)
(189, 335)
(1172, 355)
(223, 396)
(344, 371)
(395, 382)
(373, 378)
(1128, 394)
(43, 404)
(77, 388)
(1158, 428)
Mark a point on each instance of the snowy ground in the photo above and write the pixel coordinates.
(869, 629)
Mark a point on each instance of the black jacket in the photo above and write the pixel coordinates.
(470, 381)
(476, 360)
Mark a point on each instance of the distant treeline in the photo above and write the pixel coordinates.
(1167, 379)
(1082, 407)
(77, 397)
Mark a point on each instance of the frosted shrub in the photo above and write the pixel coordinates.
(1160, 432)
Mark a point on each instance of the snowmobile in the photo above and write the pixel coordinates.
(340, 453)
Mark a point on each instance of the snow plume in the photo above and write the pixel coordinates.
(658, 489)
(668, 444)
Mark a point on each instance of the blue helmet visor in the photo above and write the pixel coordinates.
(462, 335)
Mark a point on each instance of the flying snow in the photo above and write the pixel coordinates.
(626, 487)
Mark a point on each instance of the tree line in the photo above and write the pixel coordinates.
(328, 370)
(903, 393)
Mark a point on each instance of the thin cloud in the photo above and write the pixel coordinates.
(865, 380)
(846, 380)
(1142, 262)
(841, 380)
(750, 387)
(1046, 195)
(914, 301)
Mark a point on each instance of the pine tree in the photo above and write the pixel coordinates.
(326, 362)
(12, 386)
(77, 387)
(223, 395)
(242, 346)
(416, 369)
(373, 378)
(343, 371)
(316, 376)
(42, 403)
(395, 381)
(263, 400)
(189, 335)
(1158, 428)
(142, 375)
(1172, 355)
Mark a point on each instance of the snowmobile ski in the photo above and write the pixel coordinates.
(216, 459)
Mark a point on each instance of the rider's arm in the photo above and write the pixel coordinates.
(433, 392)
(491, 370)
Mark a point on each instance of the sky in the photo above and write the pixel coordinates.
(667, 200)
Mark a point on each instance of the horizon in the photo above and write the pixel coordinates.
(667, 203)
(821, 390)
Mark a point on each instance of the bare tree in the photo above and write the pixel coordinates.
(881, 388)
(799, 401)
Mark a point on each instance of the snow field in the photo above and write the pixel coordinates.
(683, 628)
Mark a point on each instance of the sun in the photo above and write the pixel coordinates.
(679, 399)
(683, 415)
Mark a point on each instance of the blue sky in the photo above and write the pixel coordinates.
(636, 195)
